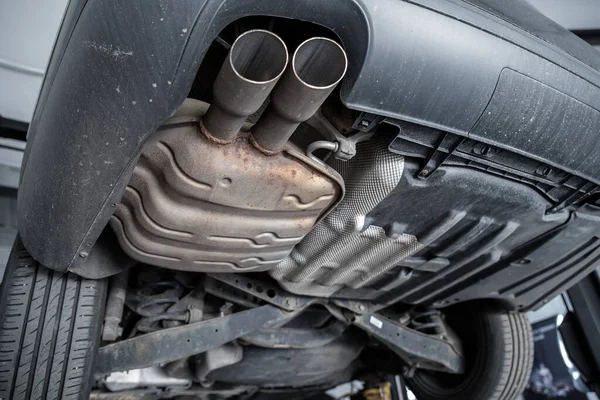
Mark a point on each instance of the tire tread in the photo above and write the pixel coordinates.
(49, 330)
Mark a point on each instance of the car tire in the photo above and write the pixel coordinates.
(498, 348)
(49, 330)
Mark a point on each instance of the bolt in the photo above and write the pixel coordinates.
(361, 307)
(83, 254)
(523, 261)
(288, 302)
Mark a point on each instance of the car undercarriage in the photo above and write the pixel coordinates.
(266, 203)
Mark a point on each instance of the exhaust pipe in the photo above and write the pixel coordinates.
(317, 66)
(255, 63)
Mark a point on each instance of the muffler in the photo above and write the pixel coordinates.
(255, 63)
(223, 200)
(317, 66)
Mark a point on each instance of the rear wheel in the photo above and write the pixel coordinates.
(49, 330)
(499, 352)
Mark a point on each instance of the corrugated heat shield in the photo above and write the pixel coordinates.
(343, 250)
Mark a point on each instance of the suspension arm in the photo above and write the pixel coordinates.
(184, 341)
(416, 349)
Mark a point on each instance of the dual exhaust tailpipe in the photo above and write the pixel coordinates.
(257, 65)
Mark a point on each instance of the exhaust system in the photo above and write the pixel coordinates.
(318, 65)
(214, 199)
(256, 62)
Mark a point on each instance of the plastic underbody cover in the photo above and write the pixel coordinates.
(195, 205)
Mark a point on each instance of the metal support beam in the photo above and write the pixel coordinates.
(184, 341)
(417, 349)
(265, 291)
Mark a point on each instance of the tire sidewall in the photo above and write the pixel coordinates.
(491, 344)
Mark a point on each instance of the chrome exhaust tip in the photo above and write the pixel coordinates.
(317, 66)
(319, 63)
(256, 61)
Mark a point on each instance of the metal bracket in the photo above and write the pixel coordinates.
(415, 348)
(184, 341)
(346, 145)
(367, 122)
(357, 307)
(442, 152)
(230, 294)
(270, 293)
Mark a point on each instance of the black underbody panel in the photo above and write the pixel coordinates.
(493, 224)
